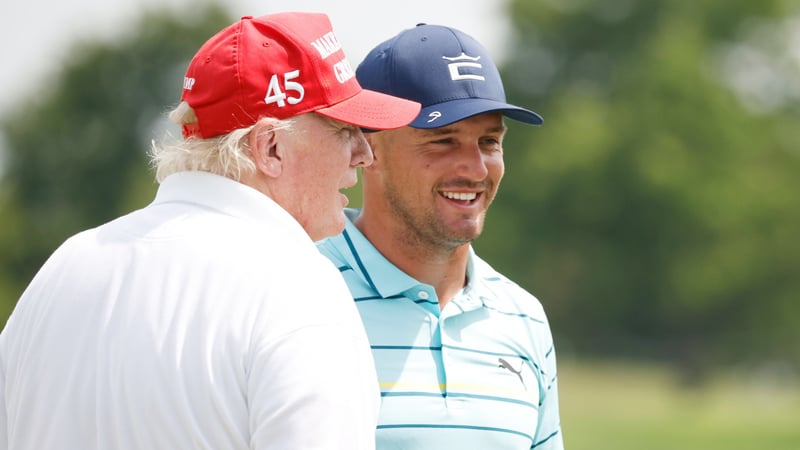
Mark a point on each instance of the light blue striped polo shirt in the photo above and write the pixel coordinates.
(479, 375)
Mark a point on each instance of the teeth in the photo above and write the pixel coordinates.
(460, 195)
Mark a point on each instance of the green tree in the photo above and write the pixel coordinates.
(77, 152)
(655, 212)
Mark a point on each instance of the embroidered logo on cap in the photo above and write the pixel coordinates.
(277, 95)
(292, 91)
(327, 45)
(464, 61)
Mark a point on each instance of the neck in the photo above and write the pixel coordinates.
(443, 268)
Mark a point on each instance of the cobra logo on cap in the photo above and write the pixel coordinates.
(461, 61)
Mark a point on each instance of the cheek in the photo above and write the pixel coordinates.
(322, 189)
(496, 172)
(336, 161)
(325, 167)
(496, 168)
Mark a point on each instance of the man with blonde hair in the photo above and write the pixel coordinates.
(208, 319)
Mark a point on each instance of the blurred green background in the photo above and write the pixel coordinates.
(655, 214)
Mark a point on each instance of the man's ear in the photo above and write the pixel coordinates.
(264, 147)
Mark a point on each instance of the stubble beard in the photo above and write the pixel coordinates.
(424, 230)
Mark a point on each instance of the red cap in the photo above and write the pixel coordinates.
(281, 65)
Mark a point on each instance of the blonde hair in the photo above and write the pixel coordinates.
(227, 155)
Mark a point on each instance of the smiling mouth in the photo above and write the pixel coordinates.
(460, 196)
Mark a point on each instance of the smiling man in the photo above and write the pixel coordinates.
(464, 356)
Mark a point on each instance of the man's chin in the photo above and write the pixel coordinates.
(331, 227)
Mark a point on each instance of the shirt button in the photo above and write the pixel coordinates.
(423, 295)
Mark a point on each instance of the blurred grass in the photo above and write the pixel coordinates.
(626, 406)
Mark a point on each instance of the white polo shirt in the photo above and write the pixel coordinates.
(207, 320)
(479, 375)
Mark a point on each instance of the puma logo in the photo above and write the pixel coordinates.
(507, 365)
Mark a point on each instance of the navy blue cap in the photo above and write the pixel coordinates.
(446, 70)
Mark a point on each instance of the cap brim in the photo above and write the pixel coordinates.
(373, 110)
(445, 113)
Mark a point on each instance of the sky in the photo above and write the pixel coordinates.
(36, 35)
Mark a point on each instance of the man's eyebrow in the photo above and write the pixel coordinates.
(502, 128)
